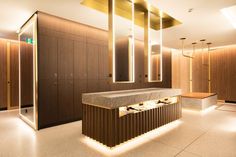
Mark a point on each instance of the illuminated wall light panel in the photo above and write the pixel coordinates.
(34, 124)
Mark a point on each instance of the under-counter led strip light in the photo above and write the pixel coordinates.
(130, 144)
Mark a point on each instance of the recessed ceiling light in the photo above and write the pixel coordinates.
(230, 14)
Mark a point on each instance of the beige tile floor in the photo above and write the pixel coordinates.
(206, 134)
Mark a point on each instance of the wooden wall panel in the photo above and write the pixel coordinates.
(232, 73)
(26, 74)
(222, 71)
(3, 74)
(14, 74)
(48, 80)
(180, 71)
(200, 71)
(65, 80)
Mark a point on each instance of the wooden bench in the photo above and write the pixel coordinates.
(198, 101)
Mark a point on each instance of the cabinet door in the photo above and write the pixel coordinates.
(80, 60)
(65, 80)
(65, 100)
(48, 103)
(80, 76)
(65, 58)
(92, 61)
(3, 75)
(103, 62)
(80, 86)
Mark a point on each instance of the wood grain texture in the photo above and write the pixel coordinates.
(180, 71)
(200, 71)
(14, 74)
(3, 74)
(73, 59)
(107, 127)
(223, 73)
(26, 75)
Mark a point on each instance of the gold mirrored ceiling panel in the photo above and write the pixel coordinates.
(141, 6)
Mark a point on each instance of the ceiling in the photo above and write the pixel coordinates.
(205, 21)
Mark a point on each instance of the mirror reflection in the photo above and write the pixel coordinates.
(26, 73)
(123, 42)
(155, 48)
(155, 61)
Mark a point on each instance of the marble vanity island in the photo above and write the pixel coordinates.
(117, 116)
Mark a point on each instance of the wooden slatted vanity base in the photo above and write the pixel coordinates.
(107, 127)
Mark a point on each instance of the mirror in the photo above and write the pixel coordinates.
(27, 40)
(122, 42)
(153, 48)
(155, 61)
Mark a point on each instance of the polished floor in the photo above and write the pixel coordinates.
(211, 133)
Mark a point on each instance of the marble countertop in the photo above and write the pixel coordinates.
(116, 99)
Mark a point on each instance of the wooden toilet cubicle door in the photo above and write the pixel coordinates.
(9, 78)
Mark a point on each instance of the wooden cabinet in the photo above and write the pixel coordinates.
(65, 79)
(80, 86)
(92, 60)
(48, 81)
(80, 59)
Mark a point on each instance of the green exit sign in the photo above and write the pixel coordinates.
(29, 40)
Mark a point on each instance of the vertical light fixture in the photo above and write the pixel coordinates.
(191, 68)
(209, 67)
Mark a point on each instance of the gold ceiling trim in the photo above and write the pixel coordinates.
(141, 6)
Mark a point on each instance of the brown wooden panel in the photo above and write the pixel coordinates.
(200, 72)
(80, 60)
(3, 74)
(48, 108)
(48, 80)
(26, 66)
(65, 59)
(92, 60)
(65, 80)
(48, 61)
(107, 127)
(103, 62)
(232, 74)
(65, 100)
(80, 86)
(14, 74)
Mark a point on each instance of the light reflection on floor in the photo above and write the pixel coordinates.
(131, 144)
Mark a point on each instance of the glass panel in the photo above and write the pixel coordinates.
(123, 41)
(27, 73)
(155, 48)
